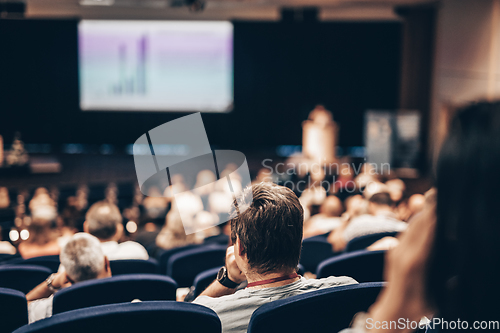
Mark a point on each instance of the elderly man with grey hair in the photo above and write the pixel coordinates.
(82, 259)
(104, 221)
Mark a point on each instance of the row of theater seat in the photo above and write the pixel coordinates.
(184, 267)
(317, 249)
(195, 266)
(325, 310)
(362, 265)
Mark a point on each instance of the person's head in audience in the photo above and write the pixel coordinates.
(205, 182)
(83, 259)
(43, 234)
(104, 221)
(416, 203)
(374, 188)
(172, 234)
(264, 175)
(41, 198)
(355, 205)
(267, 236)
(380, 203)
(395, 188)
(154, 204)
(331, 207)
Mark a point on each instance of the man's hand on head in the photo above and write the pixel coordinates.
(233, 271)
(61, 280)
(43, 290)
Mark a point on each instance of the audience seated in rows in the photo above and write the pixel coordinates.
(267, 240)
(104, 221)
(82, 259)
(43, 233)
(380, 218)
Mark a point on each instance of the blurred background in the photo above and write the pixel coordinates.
(81, 80)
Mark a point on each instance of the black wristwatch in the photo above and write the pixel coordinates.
(223, 279)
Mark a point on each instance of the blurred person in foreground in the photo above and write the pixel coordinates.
(380, 218)
(43, 234)
(104, 221)
(267, 240)
(82, 259)
(446, 264)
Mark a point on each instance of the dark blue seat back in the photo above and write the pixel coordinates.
(218, 239)
(362, 242)
(320, 237)
(120, 267)
(204, 279)
(13, 309)
(363, 266)
(184, 266)
(165, 255)
(4, 257)
(50, 262)
(160, 316)
(324, 310)
(23, 278)
(118, 289)
(314, 251)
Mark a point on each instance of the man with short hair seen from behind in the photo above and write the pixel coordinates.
(267, 238)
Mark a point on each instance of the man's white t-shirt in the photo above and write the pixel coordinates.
(40, 309)
(235, 310)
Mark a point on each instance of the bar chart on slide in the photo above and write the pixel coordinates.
(156, 66)
(132, 79)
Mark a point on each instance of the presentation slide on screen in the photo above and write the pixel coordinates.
(156, 65)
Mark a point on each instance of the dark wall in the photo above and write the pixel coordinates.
(282, 70)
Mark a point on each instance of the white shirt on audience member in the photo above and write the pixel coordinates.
(323, 223)
(40, 309)
(373, 224)
(125, 250)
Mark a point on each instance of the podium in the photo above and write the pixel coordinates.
(319, 136)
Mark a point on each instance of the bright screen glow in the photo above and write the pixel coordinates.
(156, 65)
